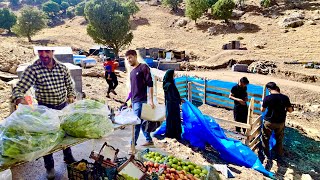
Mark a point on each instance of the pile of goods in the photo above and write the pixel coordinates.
(30, 132)
(86, 119)
(262, 67)
(170, 167)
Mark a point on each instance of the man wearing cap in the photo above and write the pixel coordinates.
(53, 89)
(278, 105)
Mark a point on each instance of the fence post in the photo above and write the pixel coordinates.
(190, 91)
(249, 120)
(204, 91)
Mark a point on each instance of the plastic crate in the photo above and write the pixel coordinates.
(89, 174)
(146, 151)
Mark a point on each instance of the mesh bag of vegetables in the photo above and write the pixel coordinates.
(86, 119)
(30, 132)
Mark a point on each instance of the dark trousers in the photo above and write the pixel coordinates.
(240, 114)
(278, 129)
(113, 83)
(48, 159)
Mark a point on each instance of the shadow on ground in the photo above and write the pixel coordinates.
(139, 21)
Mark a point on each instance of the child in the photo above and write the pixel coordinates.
(111, 78)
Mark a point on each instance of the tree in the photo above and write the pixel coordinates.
(51, 8)
(210, 3)
(57, 1)
(74, 2)
(80, 9)
(109, 23)
(223, 9)
(172, 3)
(70, 12)
(64, 6)
(131, 7)
(7, 19)
(30, 22)
(195, 9)
(14, 3)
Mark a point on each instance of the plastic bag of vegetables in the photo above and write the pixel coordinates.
(30, 132)
(86, 119)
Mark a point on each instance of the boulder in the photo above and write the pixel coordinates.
(211, 30)
(298, 15)
(237, 13)
(316, 17)
(306, 177)
(181, 22)
(292, 22)
(154, 3)
(311, 22)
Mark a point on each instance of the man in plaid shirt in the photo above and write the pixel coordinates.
(53, 88)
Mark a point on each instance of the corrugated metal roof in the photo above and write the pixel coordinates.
(57, 50)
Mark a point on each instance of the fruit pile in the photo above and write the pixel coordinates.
(187, 167)
(172, 174)
(155, 157)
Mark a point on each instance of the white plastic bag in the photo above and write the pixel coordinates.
(87, 119)
(30, 132)
(6, 175)
(127, 116)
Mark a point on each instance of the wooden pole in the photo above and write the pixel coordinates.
(190, 91)
(249, 120)
(205, 91)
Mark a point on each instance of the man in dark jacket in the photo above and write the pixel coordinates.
(278, 105)
(240, 96)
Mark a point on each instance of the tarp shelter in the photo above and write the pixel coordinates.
(62, 54)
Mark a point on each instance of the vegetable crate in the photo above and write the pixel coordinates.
(82, 170)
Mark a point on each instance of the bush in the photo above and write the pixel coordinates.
(51, 8)
(172, 3)
(195, 8)
(74, 2)
(64, 6)
(14, 2)
(70, 12)
(27, 28)
(57, 1)
(223, 9)
(7, 19)
(132, 7)
(80, 9)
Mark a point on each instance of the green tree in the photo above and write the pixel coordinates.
(70, 12)
(30, 21)
(109, 23)
(74, 2)
(80, 9)
(14, 3)
(7, 19)
(195, 9)
(51, 8)
(210, 3)
(131, 7)
(172, 3)
(223, 9)
(57, 1)
(64, 6)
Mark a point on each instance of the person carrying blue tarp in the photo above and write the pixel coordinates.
(240, 96)
(277, 105)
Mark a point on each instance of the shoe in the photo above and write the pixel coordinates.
(147, 144)
(51, 173)
(69, 160)
(112, 90)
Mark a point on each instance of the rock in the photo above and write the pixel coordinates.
(239, 26)
(5, 68)
(211, 30)
(237, 13)
(306, 177)
(297, 15)
(292, 22)
(311, 22)
(259, 46)
(285, 31)
(154, 3)
(94, 74)
(181, 22)
(317, 17)
(13, 69)
(88, 85)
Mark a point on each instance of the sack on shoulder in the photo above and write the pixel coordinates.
(150, 126)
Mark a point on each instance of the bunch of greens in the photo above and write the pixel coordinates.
(29, 133)
(87, 119)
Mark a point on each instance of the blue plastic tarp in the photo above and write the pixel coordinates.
(200, 130)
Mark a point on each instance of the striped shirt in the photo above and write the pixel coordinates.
(52, 86)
